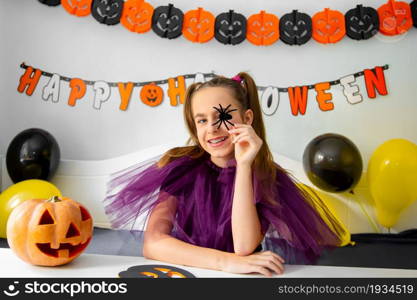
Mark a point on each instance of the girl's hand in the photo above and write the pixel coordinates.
(247, 143)
(265, 263)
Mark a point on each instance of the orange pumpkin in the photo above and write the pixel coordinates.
(49, 232)
(263, 29)
(151, 94)
(80, 8)
(198, 25)
(328, 26)
(137, 16)
(395, 17)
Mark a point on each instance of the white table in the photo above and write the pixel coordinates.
(109, 266)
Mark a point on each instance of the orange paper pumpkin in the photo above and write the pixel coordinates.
(328, 26)
(262, 29)
(49, 232)
(198, 25)
(80, 8)
(137, 16)
(395, 18)
(151, 94)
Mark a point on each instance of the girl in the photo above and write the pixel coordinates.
(210, 204)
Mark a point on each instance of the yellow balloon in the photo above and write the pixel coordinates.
(22, 191)
(392, 177)
(323, 205)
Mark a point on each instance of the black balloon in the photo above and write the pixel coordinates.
(167, 21)
(107, 11)
(413, 7)
(50, 2)
(362, 23)
(332, 163)
(230, 28)
(295, 28)
(32, 154)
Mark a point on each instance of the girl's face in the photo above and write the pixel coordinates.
(217, 141)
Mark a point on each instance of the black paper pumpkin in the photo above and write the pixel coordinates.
(362, 23)
(167, 21)
(295, 28)
(50, 2)
(230, 28)
(107, 11)
(413, 7)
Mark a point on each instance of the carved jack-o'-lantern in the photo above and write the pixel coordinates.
(395, 17)
(107, 11)
(328, 26)
(137, 16)
(263, 29)
(155, 271)
(230, 28)
(167, 21)
(362, 23)
(151, 94)
(198, 25)
(295, 28)
(49, 232)
(80, 8)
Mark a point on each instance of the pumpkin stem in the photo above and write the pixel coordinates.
(54, 199)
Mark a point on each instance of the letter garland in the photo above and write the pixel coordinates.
(152, 94)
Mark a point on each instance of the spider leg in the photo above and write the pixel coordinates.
(218, 110)
(220, 124)
(219, 120)
(229, 111)
(229, 123)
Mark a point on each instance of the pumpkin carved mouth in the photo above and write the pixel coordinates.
(65, 250)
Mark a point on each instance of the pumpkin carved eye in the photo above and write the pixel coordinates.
(85, 215)
(72, 231)
(46, 219)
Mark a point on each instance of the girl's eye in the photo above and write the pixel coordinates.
(201, 121)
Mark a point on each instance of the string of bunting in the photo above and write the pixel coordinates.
(152, 94)
(261, 29)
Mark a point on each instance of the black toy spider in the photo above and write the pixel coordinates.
(224, 116)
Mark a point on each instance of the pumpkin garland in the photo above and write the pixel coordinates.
(261, 29)
(49, 232)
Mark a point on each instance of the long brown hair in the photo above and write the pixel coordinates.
(246, 93)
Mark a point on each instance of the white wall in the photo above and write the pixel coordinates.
(53, 40)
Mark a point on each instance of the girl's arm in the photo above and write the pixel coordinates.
(159, 245)
(246, 228)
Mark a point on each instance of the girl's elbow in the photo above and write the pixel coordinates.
(243, 251)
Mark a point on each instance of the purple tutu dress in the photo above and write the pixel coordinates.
(204, 194)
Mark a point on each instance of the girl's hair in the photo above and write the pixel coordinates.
(246, 93)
